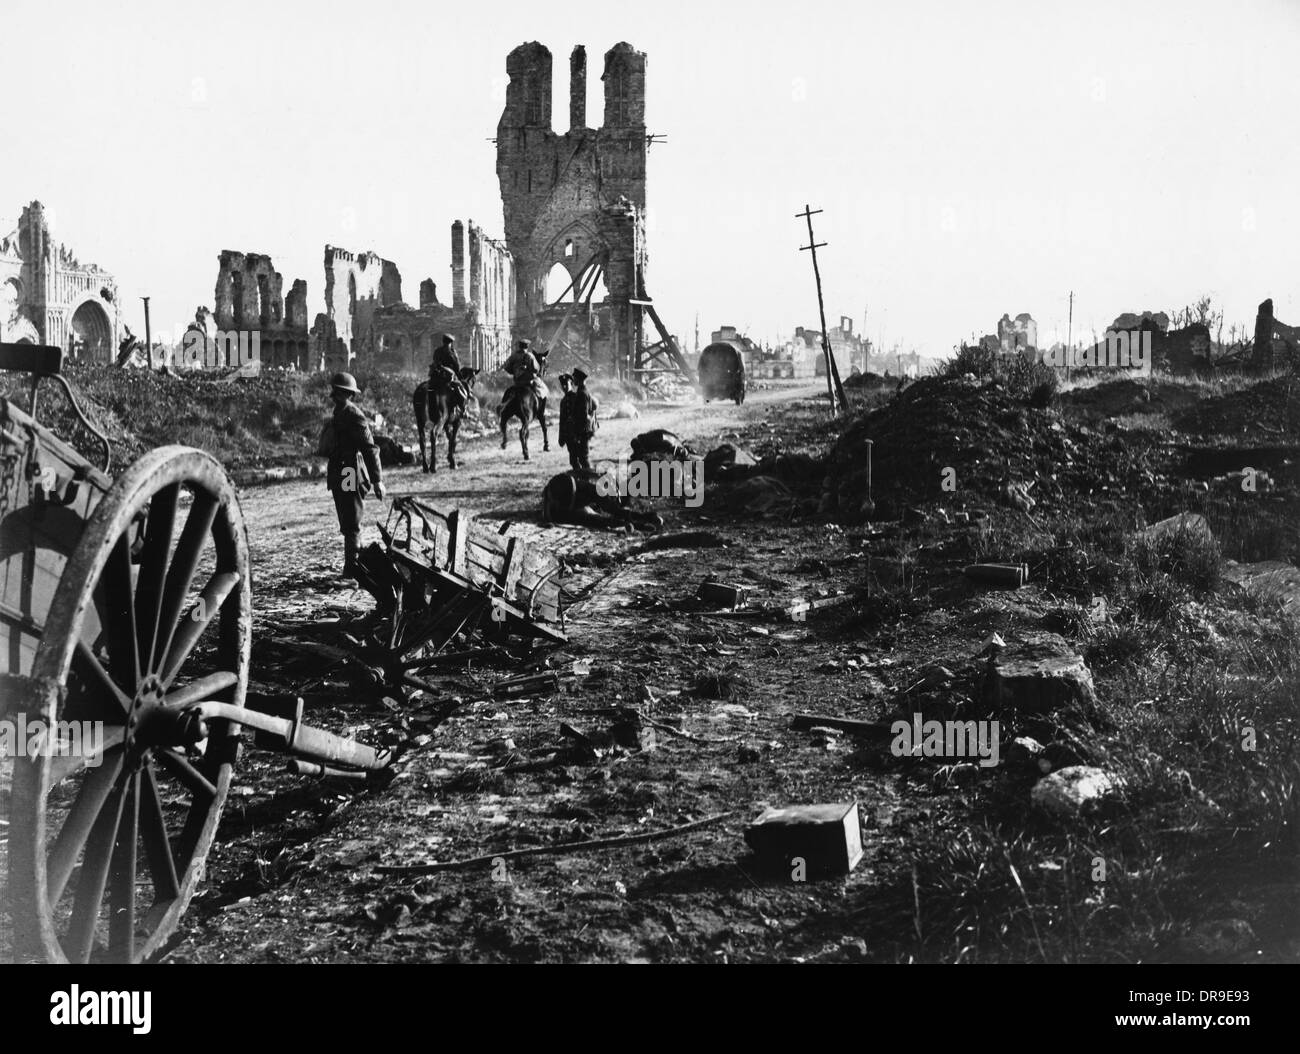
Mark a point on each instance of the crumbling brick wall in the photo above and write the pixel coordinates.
(479, 318)
(249, 299)
(356, 286)
(1277, 345)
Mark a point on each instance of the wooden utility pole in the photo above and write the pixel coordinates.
(1069, 337)
(833, 386)
(148, 335)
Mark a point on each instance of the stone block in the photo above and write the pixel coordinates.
(1039, 675)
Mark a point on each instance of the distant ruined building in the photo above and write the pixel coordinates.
(575, 208)
(367, 323)
(1017, 334)
(1276, 345)
(47, 296)
(252, 318)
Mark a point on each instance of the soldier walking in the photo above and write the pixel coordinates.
(578, 421)
(353, 465)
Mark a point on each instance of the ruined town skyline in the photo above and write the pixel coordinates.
(951, 194)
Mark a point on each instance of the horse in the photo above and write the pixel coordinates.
(435, 408)
(522, 402)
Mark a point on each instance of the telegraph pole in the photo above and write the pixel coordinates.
(833, 386)
(148, 337)
(1069, 337)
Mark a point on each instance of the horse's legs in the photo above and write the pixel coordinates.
(523, 434)
(505, 418)
(453, 426)
(541, 416)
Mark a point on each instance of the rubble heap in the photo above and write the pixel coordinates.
(1269, 406)
(988, 437)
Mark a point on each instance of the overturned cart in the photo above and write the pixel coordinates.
(452, 590)
(125, 618)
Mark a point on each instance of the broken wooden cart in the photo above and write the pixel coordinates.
(452, 590)
(125, 618)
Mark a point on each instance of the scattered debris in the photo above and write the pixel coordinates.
(1041, 674)
(1027, 751)
(1005, 576)
(1073, 790)
(449, 590)
(824, 839)
(680, 540)
(723, 595)
(549, 850)
(800, 610)
(876, 730)
(517, 686)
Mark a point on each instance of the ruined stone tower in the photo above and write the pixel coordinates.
(576, 199)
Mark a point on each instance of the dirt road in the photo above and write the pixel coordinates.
(294, 534)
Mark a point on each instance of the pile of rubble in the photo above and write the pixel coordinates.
(1271, 406)
(965, 440)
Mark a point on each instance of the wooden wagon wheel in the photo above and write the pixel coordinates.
(108, 847)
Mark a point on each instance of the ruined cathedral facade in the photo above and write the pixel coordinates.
(576, 199)
(47, 296)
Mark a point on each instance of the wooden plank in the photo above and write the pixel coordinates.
(489, 559)
(869, 729)
(510, 573)
(482, 534)
(515, 616)
(673, 351)
(457, 536)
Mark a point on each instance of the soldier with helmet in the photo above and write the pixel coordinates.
(353, 465)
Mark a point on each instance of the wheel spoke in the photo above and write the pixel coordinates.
(194, 780)
(196, 621)
(157, 846)
(78, 824)
(121, 919)
(97, 681)
(153, 569)
(197, 691)
(185, 561)
(94, 878)
(61, 767)
(118, 605)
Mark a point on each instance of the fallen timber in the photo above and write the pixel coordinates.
(450, 590)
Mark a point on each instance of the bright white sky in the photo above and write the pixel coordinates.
(971, 159)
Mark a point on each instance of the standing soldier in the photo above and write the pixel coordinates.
(578, 421)
(353, 465)
(566, 386)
